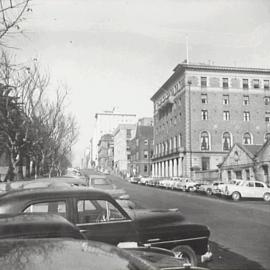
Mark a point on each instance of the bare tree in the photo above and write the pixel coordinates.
(11, 15)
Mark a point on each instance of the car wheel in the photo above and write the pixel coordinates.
(209, 192)
(266, 197)
(146, 183)
(186, 254)
(236, 196)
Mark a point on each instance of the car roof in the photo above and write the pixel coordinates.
(52, 192)
(33, 225)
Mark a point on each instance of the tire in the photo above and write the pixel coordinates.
(266, 197)
(186, 254)
(236, 196)
(209, 192)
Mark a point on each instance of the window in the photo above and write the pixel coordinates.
(246, 116)
(267, 136)
(53, 207)
(245, 83)
(145, 142)
(226, 115)
(259, 185)
(247, 138)
(247, 174)
(267, 117)
(204, 140)
(203, 81)
(226, 141)
(266, 84)
(145, 154)
(249, 184)
(225, 83)
(128, 133)
(205, 163)
(256, 83)
(96, 211)
(238, 174)
(267, 100)
(204, 98)
(225, 99)
(246, 100)
(229, 175)
(204, 114)
(145, 168)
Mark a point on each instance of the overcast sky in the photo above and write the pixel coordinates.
(119, 52)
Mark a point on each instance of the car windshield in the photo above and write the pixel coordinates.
(101, 181)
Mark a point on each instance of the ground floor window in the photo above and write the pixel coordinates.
(229, 175)
(248, 174)
(205, 163)
(238, 174)
(145, 168)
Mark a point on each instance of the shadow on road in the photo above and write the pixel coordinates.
(223, 259)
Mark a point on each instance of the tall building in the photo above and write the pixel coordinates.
(202, 110)
(105, 123)
(141, 147)
(122, 137)
(105, 152)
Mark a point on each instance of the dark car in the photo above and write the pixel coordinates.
(37, 226)
(67, 254)
(100, 218)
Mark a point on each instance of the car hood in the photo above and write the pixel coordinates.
(158, 225)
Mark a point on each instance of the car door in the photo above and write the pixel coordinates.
(259, 190)
(248, 189)
(103, 220)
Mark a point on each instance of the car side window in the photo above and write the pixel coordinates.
(54, 207)
(96, 211)
(250, 184)
(260, 185)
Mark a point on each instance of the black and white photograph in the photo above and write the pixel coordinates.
(134, 134)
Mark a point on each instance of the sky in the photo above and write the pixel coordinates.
(117, 53)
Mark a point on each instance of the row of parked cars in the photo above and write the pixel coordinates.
(234, 189)
(65, 223)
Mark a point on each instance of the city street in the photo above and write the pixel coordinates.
(240, 236)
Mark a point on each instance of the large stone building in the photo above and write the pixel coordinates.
(202, 110)
(141, 147)
(121, 137)
(105, 153)
(105, 123)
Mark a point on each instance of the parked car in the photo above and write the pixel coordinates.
(181, 183)
(154, 182)
(145, 180)
(248, 189)
(213, 188)
(70, 254)
(134, 179)
(189, 185)
(100, 218)
(37, 225)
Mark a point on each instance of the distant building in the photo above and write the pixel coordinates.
(105, 123)
(247, 162)
(122, 137)
(202, 110)
(105, 153)
(141, 147)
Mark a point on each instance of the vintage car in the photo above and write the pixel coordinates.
(213, 188)
(248, 189)
(134, 179)
(70, 254)
(99, 217)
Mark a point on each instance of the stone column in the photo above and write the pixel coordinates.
(170, 168)
(175, 167)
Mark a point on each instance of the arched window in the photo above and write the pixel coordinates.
(247, 138)
(267, 136)
(204, 140)
(226, 141)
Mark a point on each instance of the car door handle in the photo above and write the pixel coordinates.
(83, 231)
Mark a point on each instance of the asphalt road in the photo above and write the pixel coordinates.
(240, 231)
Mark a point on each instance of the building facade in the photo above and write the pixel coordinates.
(247, 162)
(202, 110)
(122, 137)
(141, 147)
(105, 153)
(105, 123)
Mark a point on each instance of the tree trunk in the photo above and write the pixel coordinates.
(27, 167)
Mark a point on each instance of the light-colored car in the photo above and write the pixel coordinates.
(181, 183)
(213, 188)
(248, 189)
(145, 180)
